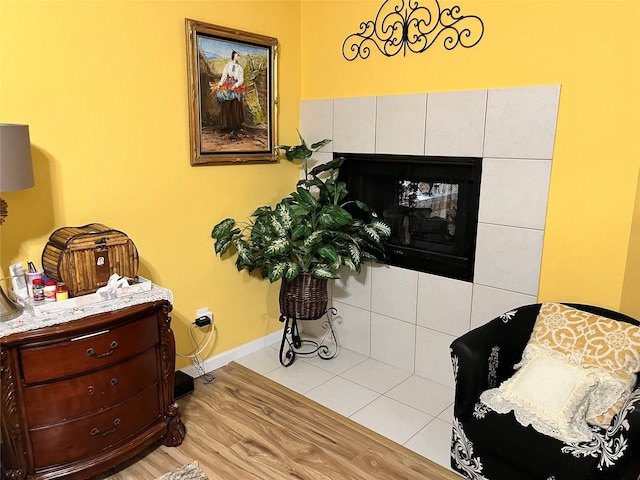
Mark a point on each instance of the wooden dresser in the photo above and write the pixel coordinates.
(81, 397)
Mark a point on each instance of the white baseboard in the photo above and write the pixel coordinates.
(224, 358)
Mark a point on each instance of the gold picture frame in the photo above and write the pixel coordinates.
(232, 95)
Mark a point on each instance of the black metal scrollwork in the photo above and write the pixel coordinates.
(293, 344)
(399, 27)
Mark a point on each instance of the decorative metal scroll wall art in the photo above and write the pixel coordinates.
(399, 27)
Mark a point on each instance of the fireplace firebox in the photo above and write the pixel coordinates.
(431, 204)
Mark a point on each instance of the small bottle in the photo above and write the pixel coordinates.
(50, 290)
(37, 287)
(62, 292)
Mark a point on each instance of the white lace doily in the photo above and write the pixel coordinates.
(28, 321)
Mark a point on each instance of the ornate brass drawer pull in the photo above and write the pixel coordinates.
(94, 431)
(92, 353)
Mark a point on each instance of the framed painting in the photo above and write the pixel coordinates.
(232, 95)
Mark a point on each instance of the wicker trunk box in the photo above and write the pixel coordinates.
(85, 257)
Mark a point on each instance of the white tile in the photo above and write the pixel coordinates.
(447, 414)
(392, 419)
(263, 361)
(508, 258)
(425, 395)
(316, 121)
(490, 302)
(342, 396)
(521, 122)
(393, 342)
(376, 375)
(354, 124)
(433, 358)
(314, 329)
(444, 304)
(353, 289)
(400, 124)
(343, 361)
(433, 442)
(514, 192)
(352, 326)
(300, 376)
(394, 293)
(455, 123)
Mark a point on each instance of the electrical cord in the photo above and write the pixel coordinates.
(200, 349)
(196, 358)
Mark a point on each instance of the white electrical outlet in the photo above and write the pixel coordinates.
(201, 312)
(204, 312)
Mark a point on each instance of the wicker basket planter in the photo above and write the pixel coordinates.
(303, 298)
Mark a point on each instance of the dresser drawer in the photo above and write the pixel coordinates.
(79, 395)
(88, 352)
(68, 441)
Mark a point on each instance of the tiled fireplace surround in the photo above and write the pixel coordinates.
(408, 319)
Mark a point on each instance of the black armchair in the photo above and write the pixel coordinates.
(487, 445)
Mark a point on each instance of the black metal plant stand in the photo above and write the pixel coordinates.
(293, 345)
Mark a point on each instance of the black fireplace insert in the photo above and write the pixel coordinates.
(431, 204)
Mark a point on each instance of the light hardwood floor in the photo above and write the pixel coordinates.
(245, 426)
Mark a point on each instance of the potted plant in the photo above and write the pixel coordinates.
(306, 237)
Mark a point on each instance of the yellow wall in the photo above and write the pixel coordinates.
(103, 86)
(592, 49)
(631, 293)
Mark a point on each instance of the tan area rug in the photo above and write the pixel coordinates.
(190, 471)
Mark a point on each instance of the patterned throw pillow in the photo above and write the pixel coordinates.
(590, 340)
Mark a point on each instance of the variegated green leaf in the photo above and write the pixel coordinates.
(261, 211)
(299, 231)
(276, 226)
(299, 152)
(223, 228)
(328, 252)
(334, 216)
(323, 271)
(354, 268)
(299, 212)
(373, 234)
(222, 245)
(340, 191)
(241, 266)
(363, 206)
(312, 239)
(244, 252)
(277, 247)
(354, 253)
(333, 164)
(277, 271)
(292, 270)
(284, 216)
(368, 257)
(382, 227)
(320, 144)
(304, 198)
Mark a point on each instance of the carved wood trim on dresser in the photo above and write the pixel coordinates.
(81, 397)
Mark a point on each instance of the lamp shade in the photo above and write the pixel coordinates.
(16, 170)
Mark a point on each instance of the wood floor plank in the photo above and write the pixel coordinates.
(244, 426)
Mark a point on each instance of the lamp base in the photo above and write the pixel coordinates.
(8, 308)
